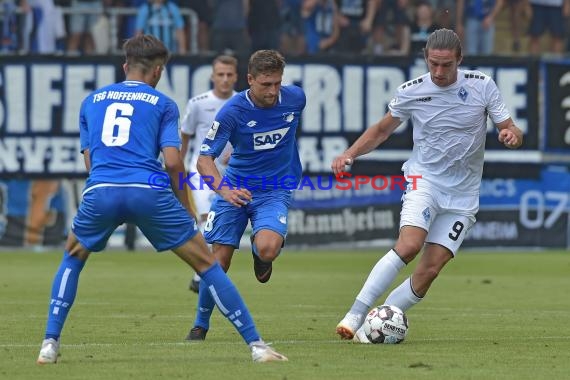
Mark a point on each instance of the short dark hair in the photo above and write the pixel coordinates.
(266, 62)
(443, 39)
(145, 51)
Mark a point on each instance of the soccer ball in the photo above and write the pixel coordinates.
(385, 324)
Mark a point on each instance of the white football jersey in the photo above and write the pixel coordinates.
(449, 128)
(197, 120)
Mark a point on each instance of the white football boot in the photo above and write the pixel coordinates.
(349, 325)
(360, 336)
(48, 352)
(262, 353)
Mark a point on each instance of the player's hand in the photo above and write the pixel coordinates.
(340, 163)
(509, 138)
(237, 197)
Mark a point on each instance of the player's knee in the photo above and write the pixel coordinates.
(268, 252)
(408, 250)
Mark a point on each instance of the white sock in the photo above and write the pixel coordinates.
(380, 278)
(196, 277)
(403, 296)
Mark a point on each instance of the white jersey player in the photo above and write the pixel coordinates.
(448, 108)
(196, 122)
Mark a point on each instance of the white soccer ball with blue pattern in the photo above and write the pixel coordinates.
(386, 324)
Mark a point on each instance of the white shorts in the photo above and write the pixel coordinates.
(446, 217)
(202, 195)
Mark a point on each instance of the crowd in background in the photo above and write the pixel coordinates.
(295, 27)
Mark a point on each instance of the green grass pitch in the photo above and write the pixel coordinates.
(489, 315)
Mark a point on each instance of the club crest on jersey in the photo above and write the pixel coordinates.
(462, 93)
(426, 214)
(213, 130)
(268, 140)
(288, 116)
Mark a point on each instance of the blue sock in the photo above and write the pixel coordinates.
(206, 306)
(63, 293)
(226, 296)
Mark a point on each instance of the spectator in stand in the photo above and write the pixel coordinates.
(229, 26)
(10, 21)
(422, 27)
(321, 25)
(44, 27)
(445, 12)
(355, 20)
(86, 13)
(204, 12)
(263, 24)
(292, 32)
(162, 19)
(391, 14)
(476, 24)
(548, 15)
(516, 15)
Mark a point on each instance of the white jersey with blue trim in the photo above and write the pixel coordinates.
(197, 120)
(449, 128)
(265, 148)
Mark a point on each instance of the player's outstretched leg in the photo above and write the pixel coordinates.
(379, 279)
(231, 305)
(63, 291)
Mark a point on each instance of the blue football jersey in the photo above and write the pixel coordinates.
(125, 125)
(265, 154)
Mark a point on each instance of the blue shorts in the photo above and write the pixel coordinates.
(156, 212)
(546, 18)
(267, 210)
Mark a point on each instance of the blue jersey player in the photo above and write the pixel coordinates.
(264, 167)
(123, 128)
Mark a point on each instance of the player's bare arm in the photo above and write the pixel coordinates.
(87, 160)
(509, 134)
(370, 139)
(174, 166)
(208, 169)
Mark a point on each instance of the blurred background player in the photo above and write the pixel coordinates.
(197, 120)
(264, 168)
(121, 141)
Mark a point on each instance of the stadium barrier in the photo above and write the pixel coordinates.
(525, 194)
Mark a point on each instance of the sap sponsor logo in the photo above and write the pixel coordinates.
(268, 140)
(213, 130)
